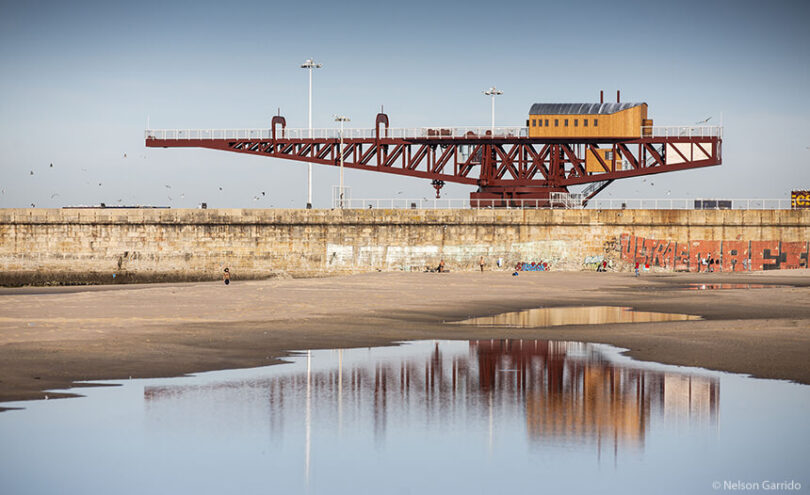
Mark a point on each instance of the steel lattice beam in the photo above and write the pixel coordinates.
(502, 167)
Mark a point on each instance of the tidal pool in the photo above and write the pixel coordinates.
(492, 416)
(572, 315)
(723, 286)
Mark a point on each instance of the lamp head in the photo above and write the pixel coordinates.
(310, 64)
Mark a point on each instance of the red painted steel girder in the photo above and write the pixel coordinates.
(505, 167)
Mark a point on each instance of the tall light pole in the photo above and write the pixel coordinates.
(341, 119)
(309, 65)
(493, 92)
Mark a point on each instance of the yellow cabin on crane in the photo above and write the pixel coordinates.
(589, 120)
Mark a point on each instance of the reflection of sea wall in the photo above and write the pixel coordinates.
(568, 392)
(573, 315)
(40, 245)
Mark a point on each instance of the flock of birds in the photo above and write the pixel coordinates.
(260, 195)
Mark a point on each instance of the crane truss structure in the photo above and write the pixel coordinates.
(507, 167)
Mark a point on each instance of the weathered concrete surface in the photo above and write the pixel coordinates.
(93, 245)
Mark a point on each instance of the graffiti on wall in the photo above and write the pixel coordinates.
(729, 256)
(534, 266)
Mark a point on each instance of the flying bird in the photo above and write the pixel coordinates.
(99, 184)
(125, 155)
(703, 121)
(31, 173)
(220, 188)
(167, 186)
(51, 165)
(33, 205)
(54, 195)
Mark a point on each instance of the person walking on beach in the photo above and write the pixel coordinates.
(227, 276)
(481, 263)
(636, 268)
(440, 268)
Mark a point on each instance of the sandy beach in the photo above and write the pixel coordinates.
(53, 336)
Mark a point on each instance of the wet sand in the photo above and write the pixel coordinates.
(53, 336)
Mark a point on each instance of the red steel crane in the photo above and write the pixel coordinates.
(509, 167)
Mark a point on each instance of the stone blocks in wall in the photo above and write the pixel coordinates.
(261, 243)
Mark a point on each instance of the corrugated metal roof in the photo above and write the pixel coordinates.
(579, 108)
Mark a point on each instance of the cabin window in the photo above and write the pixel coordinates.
(576, 122)
(595, 122)
(608, 155)
(534, 123)
(585, 122)
(556, 122)
(546, 122)
(566, 122)
(539, 122)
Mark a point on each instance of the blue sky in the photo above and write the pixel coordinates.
(80, 80)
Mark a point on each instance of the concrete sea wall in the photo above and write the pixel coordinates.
(120, 245)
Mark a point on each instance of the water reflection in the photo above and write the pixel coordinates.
(576, 315)
(492, 416)
(567, 393)
(698, 286)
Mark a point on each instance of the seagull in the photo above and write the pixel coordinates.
(220, 188)
(182, 195)
(54, 195)
(170, 198)
(51, 165)
(31, 173)
(33, 205)
(167, 186)
(99, 184)
(119, 200)
(125, 155)
(262, 193)
(703, 121)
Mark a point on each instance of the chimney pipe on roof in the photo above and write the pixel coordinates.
(601, 96)
(618, 96)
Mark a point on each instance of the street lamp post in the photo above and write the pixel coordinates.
(493, 92)
(310, 64)
(341, 119)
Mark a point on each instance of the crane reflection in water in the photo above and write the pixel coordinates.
(567, 393)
